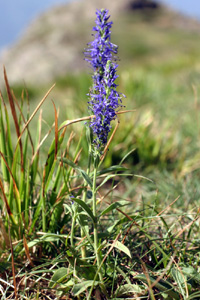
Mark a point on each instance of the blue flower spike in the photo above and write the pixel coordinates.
(104, 100)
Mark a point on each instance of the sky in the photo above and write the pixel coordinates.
(188, 7)
(17, 14)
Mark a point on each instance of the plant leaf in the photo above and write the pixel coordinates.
(77, 168)
(107, 178)
(81, 287)
(180, 280)
(122, 248)
(116, 168)
(191, 273)
(14, 114)
(58, 277)
(128, 289)
(86, 208)
(112, 207)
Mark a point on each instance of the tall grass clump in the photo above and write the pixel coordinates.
(71, 230)
(31, 189)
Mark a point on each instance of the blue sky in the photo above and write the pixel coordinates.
(16, 15)
(188, 7)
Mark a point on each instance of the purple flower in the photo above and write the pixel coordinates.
(104, 99)
(71, 199)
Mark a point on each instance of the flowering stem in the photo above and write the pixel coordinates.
(72, 229)
(104, 102)
(83, 249)
(44, 214)
(94, 191)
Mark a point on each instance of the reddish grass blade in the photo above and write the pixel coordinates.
(4, 234)
(27, 251)
(23, 118)
(14, 114)
(13, 264)
(5, 199)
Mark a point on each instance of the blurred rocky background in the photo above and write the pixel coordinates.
(53, 43)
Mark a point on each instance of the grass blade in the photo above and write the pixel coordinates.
(14, 114)
(162, 285)
(36, 110)
(9, 212)
(56, 131)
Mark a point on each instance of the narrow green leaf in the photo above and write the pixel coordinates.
(56, 184)
(107, 178)
(31, 244)
(8, 134)
(125, 157)
(48, 180)
(116, 168)
(69, 162)
(123, 274)
(35, 157)
(25, 149)
(48, 237)
(195, 295)
(83, 222)
(86, 177)
(37, 213)
(26, 195)
(77, 168)
(120, 221)
(113, 206)
(67, 285)
(180, 280)
(42, 271)
(81, 287)
(67, 208)
(143, 177)
(86, 208)
(55, 146)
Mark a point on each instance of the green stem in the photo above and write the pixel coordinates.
(43, 213)
(83, 249)
(94, 192)
(72, 230)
